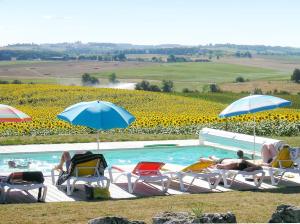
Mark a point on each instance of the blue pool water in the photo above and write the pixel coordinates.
(45, 161)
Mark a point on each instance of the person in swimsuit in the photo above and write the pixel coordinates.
(232, 164)
(66, 159)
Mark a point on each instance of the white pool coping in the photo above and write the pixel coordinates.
(8, 149)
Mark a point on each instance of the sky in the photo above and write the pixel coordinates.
(187, 22)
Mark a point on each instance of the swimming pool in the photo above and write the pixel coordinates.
(45, 161)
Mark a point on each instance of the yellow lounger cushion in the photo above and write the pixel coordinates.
(198, 166)
(283, 154)
(87, 171)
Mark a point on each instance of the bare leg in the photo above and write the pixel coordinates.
(64, 157)
(265, 153)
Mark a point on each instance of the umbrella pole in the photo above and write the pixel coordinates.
(98, 141)
(254, 135)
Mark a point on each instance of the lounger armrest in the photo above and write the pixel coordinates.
(155, 172)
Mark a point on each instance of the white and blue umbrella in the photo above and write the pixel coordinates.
(100, 115)
(252, 104)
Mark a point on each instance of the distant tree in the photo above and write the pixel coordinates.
(296, 76)
(171, 58)
(154, 88)
(154, 59)
(257, 91)
(88, 80)
(143, 85)
(167, 86)
(212, 87)
(120, 57)
(16, 81)
(112, 78)
(240, 79)
(4, 82)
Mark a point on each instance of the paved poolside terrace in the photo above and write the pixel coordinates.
(119, 190)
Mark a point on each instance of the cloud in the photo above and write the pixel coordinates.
(56, 17)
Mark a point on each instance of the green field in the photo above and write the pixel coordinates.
(195, 72)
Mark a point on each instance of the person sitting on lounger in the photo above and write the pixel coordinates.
(66, 159)
(268, 153)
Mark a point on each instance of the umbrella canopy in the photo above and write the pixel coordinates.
(100, 115)
(11, 114)
(253, 104)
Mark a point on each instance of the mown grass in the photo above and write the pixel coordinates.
(248, 206)
(194, 72)
(106, 137)
(110, 137)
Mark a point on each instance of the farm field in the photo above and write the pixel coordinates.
(184, 75)
(156, 113)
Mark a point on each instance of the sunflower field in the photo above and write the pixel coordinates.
(157, 113)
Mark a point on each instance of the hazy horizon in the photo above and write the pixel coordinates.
(145, 22)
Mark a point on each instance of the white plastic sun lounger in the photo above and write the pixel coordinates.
(229, 176)
(148, 172)
(5, 188)
(212, 178)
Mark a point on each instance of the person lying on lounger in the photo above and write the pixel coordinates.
(231, 164)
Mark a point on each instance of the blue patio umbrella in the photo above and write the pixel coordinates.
(253, 104)
(100, 115)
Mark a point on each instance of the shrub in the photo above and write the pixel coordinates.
(16, 81)
(154, 88)
(143, 85)
(167, 86)
(88, 80)
(212, 87)
(112, 78)
(257, 91)
(296, 75)
(240, 79)
(4, 82)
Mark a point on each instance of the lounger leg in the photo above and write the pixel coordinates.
(181, 184)
(272, 176)
(258, 179)
(43, 199)
(2, 195)
(52, 177)
(167, 184)
(213, 185)
(69, 187)
(73, 186)
(110, 174)
(130, 189)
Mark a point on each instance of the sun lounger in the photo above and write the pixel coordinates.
(23, 181)
(147, 172)
(283, 163)
(197, 170)
(84, 167)
(229, 176)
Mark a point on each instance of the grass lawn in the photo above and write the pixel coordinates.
(107, 137)
(248, 206)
